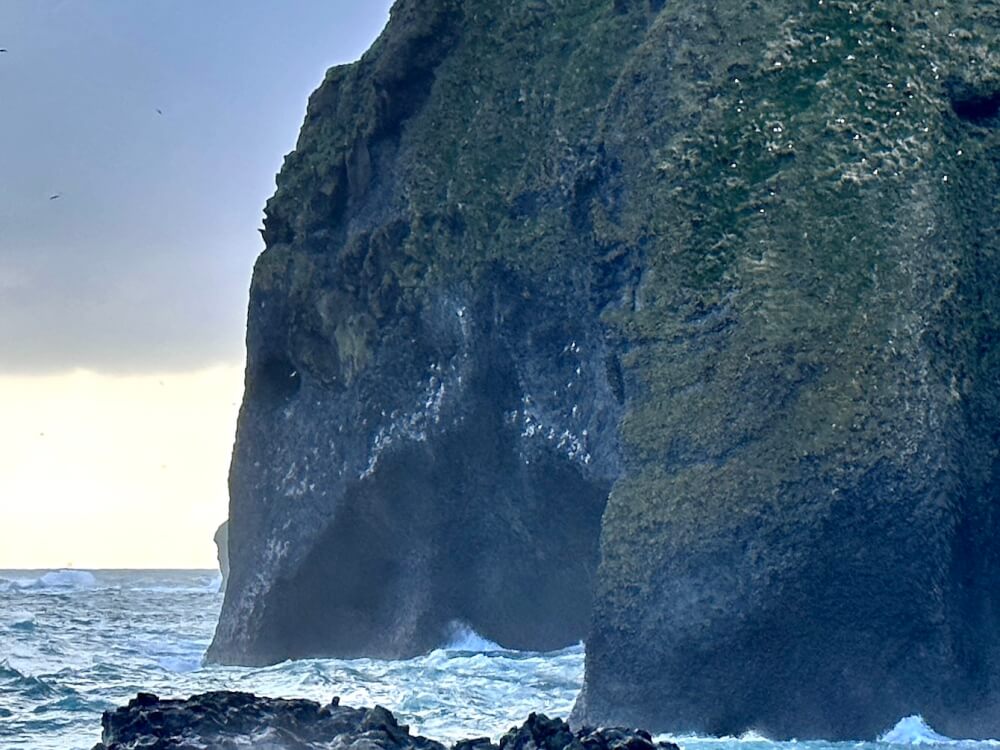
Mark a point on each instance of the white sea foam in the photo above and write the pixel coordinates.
(175, 655)
(463, 638)
(752, 736)
(211, 585)
(149, 630)
(750, 739)
(181, 664)
(913, 730)
(60, 579)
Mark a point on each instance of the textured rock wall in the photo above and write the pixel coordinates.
(802, 540)
(428, 433)
(221, 539)
(225, 719)
(734, 264)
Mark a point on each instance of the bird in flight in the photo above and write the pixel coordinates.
(54, 197)
(159, 111)
(2, 50)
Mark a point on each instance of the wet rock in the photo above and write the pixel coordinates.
(477, 743)
(229, 720)
(540, 732)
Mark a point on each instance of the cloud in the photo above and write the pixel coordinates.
(117, 311)
(144, 262)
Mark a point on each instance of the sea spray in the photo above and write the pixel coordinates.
(98, 642)
(913, 730)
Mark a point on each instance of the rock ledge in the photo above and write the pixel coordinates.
(228, 720)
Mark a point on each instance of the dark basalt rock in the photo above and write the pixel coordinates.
(669, 325)
(540, 732)
(803, 540)
(228, 720)
(417, 445)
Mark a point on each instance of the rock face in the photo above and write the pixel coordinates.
(804, 538)
(427, 377)
(225, 720)
(540, 732)
(221, 540)
(713, 284)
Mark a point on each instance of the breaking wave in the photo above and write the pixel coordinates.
(463, 638)
(27, 686)
(63, 580)
(913, 730)
(109, 634)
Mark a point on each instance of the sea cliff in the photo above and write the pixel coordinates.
(670, 326)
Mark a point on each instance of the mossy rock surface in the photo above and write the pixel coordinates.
(717, 282)
(803, 541)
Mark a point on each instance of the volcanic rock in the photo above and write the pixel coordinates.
(671, 326)
(228, 720)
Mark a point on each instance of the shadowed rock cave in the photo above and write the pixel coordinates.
(977, 105)
(276, 381)
(410, 551)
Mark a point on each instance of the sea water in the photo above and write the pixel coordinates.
(76, 643)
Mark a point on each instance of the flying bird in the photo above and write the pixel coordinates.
(2, 50)
(54, 197)
(159, 111)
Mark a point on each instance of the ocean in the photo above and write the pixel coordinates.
(76, 643)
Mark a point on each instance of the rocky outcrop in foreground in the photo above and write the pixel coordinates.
(672, 326)
(229, 720)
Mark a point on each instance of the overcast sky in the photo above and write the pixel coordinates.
(160, 125)
(143, 262)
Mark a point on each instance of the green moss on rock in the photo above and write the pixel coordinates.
(775, 224)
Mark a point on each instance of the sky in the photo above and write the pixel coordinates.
(139, 140)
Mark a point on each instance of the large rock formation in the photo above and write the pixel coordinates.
(722, 275)
(428, 433)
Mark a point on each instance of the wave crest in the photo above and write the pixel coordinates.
(913, 730)
(60, 580)
(463, 638)
(26, 685)
(66, 579)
